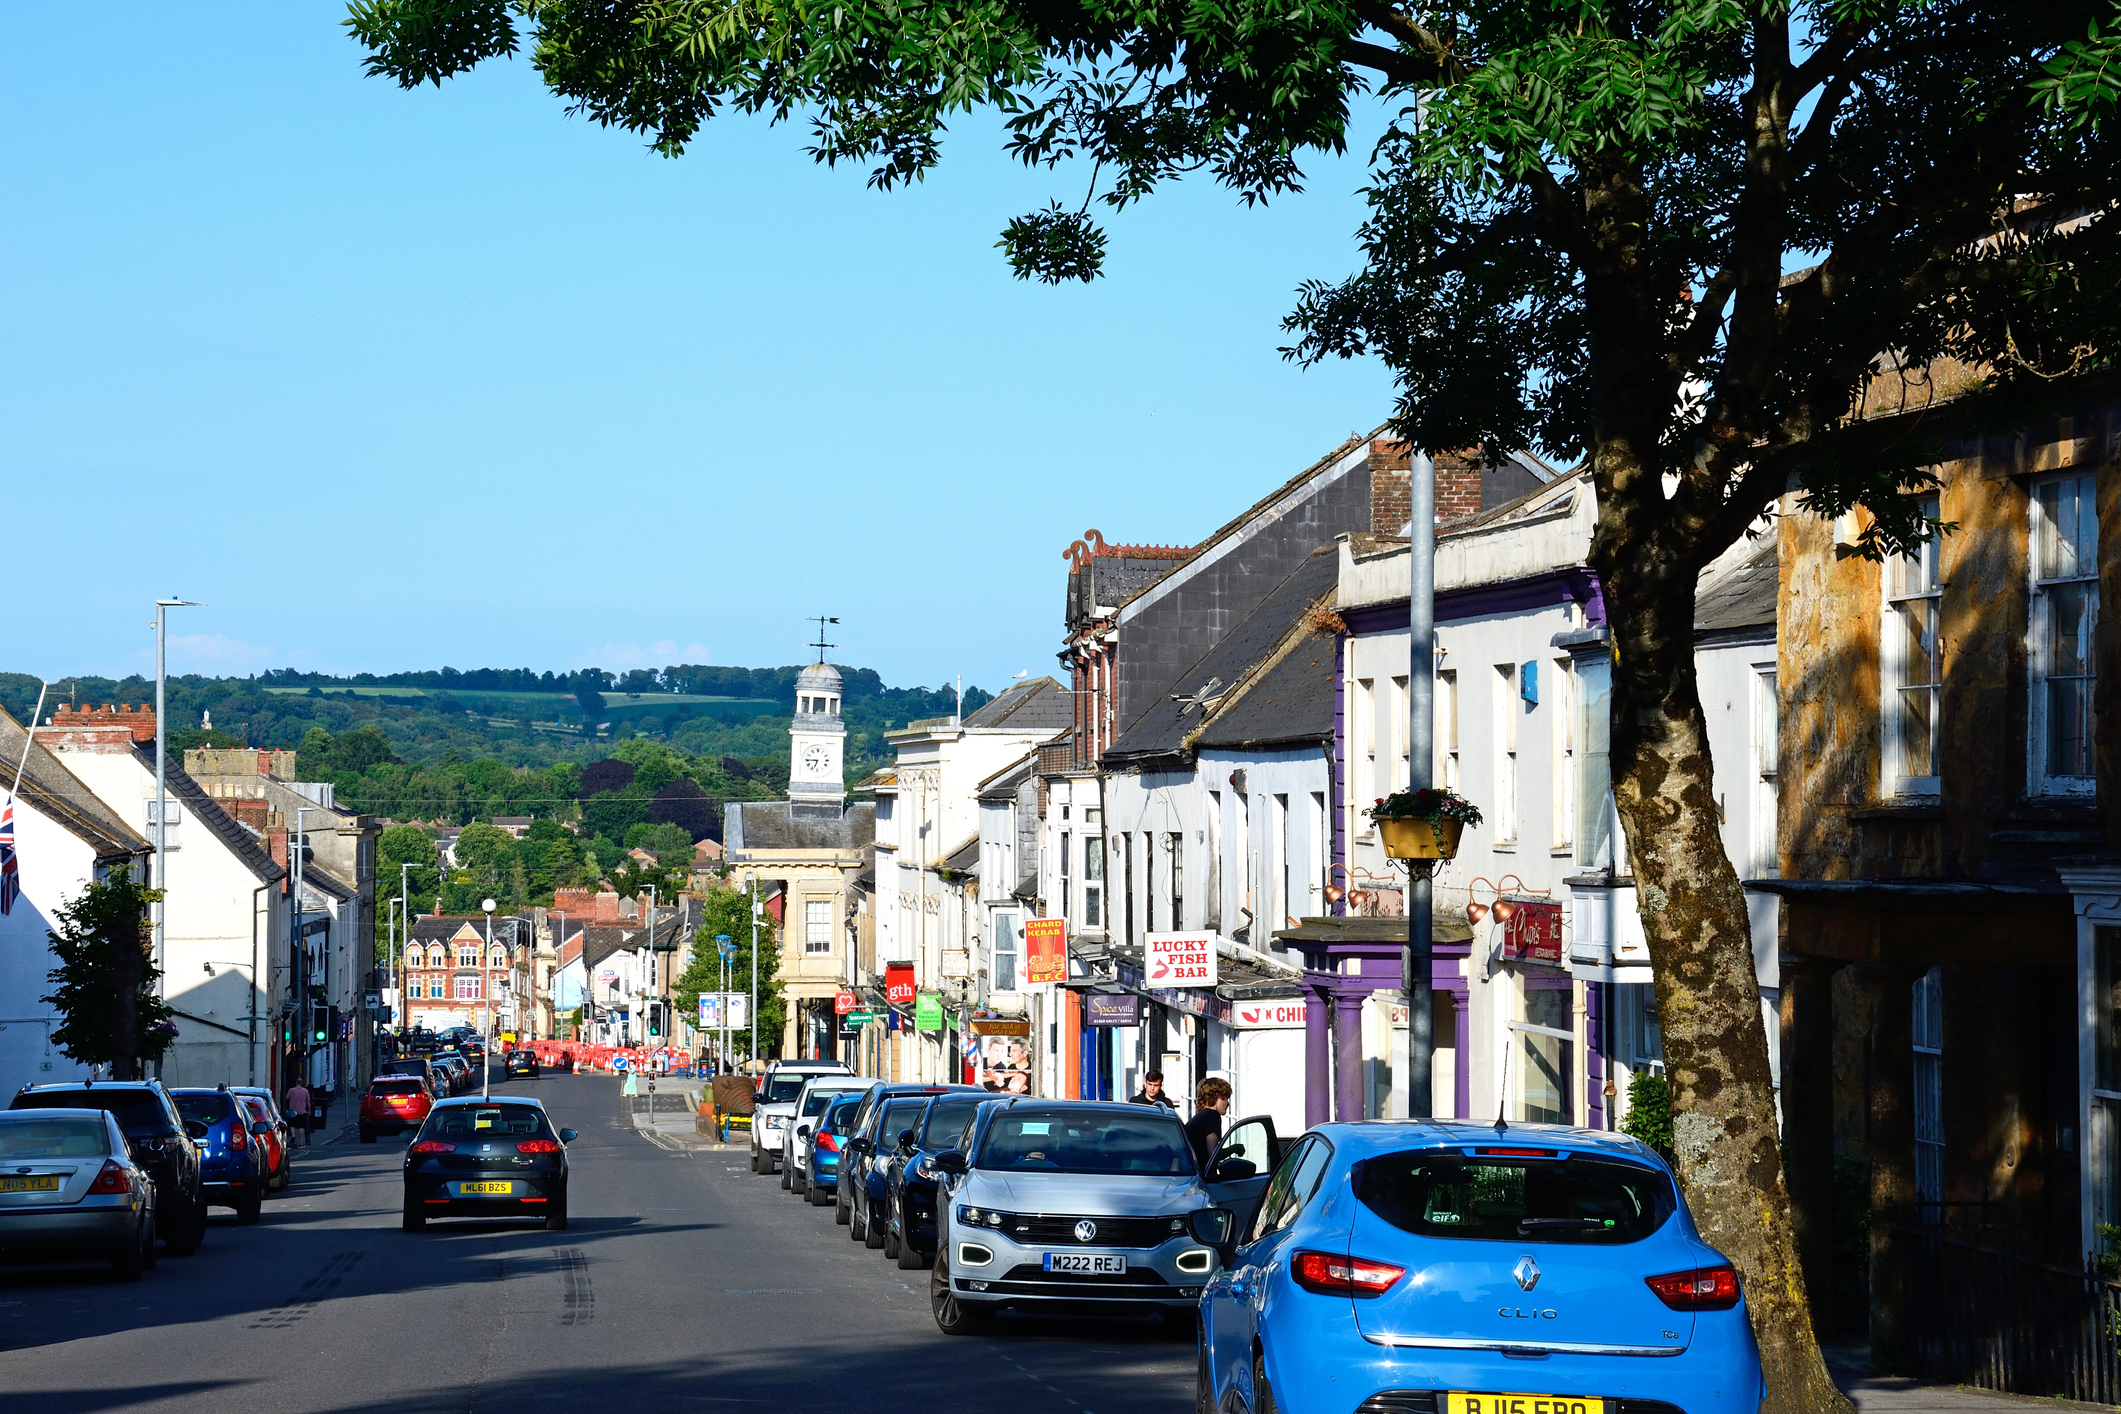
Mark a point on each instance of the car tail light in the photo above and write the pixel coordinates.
(537, 1146)
(237, 1139)
(1703, 1289)
(827, 1144)
(1329, 1274)
(434, 1146)
(111, 1180)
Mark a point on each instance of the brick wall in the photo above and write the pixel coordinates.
(243, 761)
(1391, 494)
(137, 719)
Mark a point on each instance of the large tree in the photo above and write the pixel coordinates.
(104, 985)
(1677, 238)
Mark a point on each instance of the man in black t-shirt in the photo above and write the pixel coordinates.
(1205, 1129)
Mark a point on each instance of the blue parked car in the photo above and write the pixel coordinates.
(887, 1112)
(910, 1180)
(833, 1128)
(233, 1166)
(1450, 1267)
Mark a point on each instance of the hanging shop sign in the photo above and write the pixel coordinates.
(843, 1003)
(957, 962)
(1045, 950)
(1107, 1009)
(898, 983)
(1179, 960)
(928, 1012)
(1532, 932)
(996, 1026)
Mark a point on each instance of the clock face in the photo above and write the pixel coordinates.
(817, 761)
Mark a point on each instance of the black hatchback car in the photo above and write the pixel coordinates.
(487, 1158)
(159, 1139)
(522, 1063)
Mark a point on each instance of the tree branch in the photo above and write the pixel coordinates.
(1395, 64)
(1409, 32)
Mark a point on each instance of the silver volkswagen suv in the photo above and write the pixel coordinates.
(1066, 1205)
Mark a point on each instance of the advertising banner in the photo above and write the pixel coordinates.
(1105, 1009)
(898, 983)
(738, 1010)
(710, 1011)
(1045, 950)
(1003, 1064)
(928, 1012)
(1273, 1014)
(1179, 960)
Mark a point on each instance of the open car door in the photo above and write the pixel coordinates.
(1241, 1167)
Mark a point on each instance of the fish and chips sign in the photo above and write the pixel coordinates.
(1179, 960)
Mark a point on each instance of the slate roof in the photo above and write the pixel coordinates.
(208, 812)
(1003, 784)
(965, 858)
(1040, 705)
(771, 824)
(59, 796)
(317, 877)
(1738, 590)
(432, 928)
(1289, 700)
(1162, 727)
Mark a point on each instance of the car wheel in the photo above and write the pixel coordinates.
(368, 1136)
(818, 1197)
(910, 1257)
(130, 1260)
(892, 1245)
(1262, 1392)
(556, 1216)
(787, 1178)
(857, 1221)
(953, 1317)
(874, 1233)
(415, 1216)
(755, 1162)
(247, 1207)
(842, 1209)
(798, 1182)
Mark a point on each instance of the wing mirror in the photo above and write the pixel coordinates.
(1213, 1227)
(567, 1136)
(950, 1161)
(905, 1141)
(1232, 1169)
(802, 1131)
(857, 1145)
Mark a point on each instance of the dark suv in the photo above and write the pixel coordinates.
(159, 1141)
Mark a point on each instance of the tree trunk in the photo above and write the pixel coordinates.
(1700, 936)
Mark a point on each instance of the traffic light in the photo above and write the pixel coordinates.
(323, 1025)
(655, 1018)
(287, 1030)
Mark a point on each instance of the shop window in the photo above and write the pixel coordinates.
(2065, 606)
(1546, 1049)
(1093, 881)
(1008, 934)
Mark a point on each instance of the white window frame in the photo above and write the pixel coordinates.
(1396, 733)
(1362, 752)
(1007, 926)
(1447, 733)
(2039, 637)
(1095, 898)
(1909, 581)
(1562, 714)
(817, 927)
(1767, 758)
(1506, 822)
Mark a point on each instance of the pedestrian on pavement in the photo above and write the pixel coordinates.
(1152, 1092)
(298, 1109)
(1205, 1129)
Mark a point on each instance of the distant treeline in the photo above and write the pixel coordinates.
(704, 680)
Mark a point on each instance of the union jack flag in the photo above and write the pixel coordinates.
(10, 872)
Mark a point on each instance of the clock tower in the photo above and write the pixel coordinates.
(817, 741)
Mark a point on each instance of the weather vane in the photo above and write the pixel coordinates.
(821, 645)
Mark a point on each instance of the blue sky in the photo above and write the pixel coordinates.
(396, 380)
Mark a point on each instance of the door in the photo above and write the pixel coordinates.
(1241, 1168)
(1236, 1296)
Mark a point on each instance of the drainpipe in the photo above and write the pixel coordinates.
(254, 989)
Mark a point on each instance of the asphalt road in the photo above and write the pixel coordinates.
(683, 1281)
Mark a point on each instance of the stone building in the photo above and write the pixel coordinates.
(1951, 893)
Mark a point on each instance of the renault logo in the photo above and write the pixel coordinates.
(1085, 1230)
(1527, 1272)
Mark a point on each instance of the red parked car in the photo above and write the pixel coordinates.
(266, 1131)
(393, 1104)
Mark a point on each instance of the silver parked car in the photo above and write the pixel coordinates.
(70, 1192)
(1058, 1205)
(772, 1119)
(810, 1107)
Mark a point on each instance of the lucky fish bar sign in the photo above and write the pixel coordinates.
(1179, 960)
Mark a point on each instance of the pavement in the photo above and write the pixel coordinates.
(684, 1282)
(1896, 1394)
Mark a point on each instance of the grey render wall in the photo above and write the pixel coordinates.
(1165, 636)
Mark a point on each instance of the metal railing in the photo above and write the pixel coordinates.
(1979, 1315)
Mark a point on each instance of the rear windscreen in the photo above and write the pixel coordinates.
(782, 1089)
(948, 1119)
(212, 1109)
(394, 1085)
(840, 1118)
(814, 1103)
(138, 1112)
(69, 1137)
(487, 1122)
(1581, 1199)
(898, 1115)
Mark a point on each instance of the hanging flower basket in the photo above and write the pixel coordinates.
(1423, 824)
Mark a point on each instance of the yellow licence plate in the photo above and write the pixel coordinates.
(35, 1183)
(1460, 1402)
(485, 1188)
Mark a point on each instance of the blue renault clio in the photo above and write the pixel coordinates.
(1449, 1267)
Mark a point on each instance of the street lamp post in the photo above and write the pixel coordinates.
(162, 608)
(754, 968)
(486, 1061)
(1415, 961)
